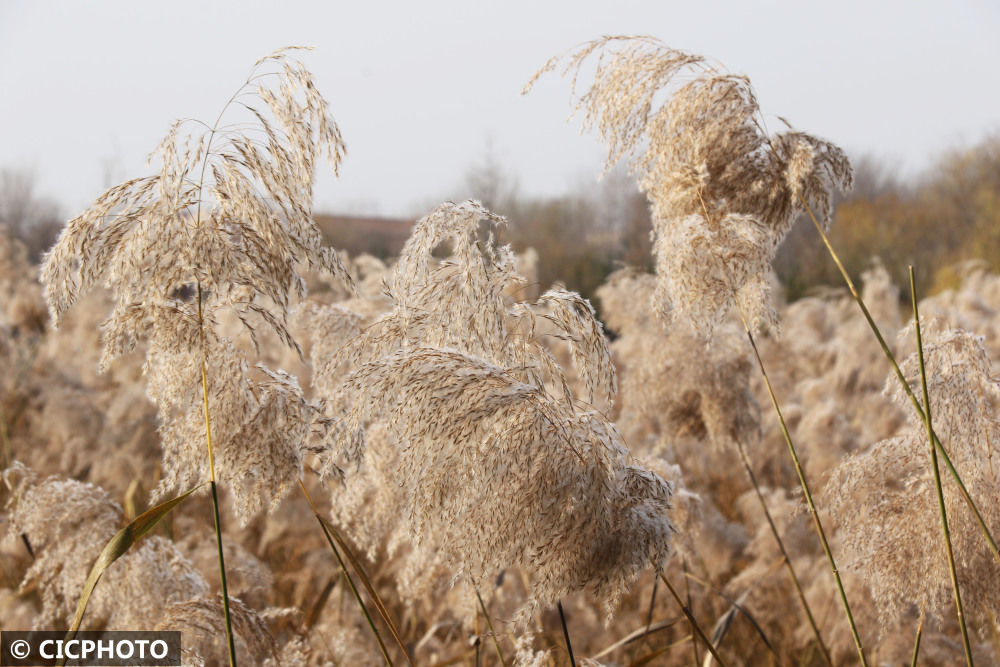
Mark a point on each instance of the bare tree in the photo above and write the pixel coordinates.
(25, 215)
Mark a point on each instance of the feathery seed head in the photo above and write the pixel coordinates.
(723, 192)
(220, 232)
(499, 473)
(886, 536)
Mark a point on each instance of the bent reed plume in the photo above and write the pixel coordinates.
(723, 192)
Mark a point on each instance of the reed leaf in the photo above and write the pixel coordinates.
(118, 545)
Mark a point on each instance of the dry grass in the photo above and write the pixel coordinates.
(470, 439)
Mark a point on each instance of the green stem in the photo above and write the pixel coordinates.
(569, 645)
(906, 386)
(937, 477)
(354, 589)
(916, 643)
(222, 577)
(380, 607)
(332, 535)
(784, 553)
(489, 624)
(691, 619)
(215, 494)
(808, 495)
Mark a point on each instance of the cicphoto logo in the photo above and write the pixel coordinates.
(90, 648)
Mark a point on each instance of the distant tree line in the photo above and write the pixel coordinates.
(945, 218)
(938, 222)
(24, 214)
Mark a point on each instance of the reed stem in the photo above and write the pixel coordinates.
(916, 642)
(687, 598)
(902, 379)
(569, 645)
(489, 624)
(347, 575)
(784, 553)
(215, 494)
(808, 495)
(692, 620)
(333, 536)
(937, 477)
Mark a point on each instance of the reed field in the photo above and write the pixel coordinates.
(213, 422)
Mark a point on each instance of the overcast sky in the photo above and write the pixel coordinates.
(422, 89)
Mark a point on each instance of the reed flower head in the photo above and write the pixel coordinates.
(499, 473)
(219, 234)
(885, 499)
(67, 523)
(493, 451)
(724, 192)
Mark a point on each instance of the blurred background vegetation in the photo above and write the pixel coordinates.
(938, 222)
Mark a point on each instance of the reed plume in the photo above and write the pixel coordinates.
(886, 538)
(219, 234)
(513, 477)
(495, 457)
(67, 523)
(724, 192)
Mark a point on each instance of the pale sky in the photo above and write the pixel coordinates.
(420, 89)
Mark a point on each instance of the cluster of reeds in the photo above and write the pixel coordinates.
(478, 484)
